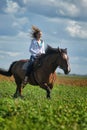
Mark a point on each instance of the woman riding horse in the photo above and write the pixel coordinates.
(36, 49)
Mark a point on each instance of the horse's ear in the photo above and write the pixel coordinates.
(65, 50)
(59, 49)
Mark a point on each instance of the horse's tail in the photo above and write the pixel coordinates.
(7, 72)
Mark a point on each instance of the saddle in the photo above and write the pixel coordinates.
(25, 66)
(37, 63)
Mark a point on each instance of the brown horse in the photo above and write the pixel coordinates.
(43, 74)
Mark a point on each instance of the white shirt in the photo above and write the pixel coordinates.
(36, 48)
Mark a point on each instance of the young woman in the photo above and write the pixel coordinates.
(36, 48)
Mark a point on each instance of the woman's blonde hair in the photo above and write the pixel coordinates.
(35, 31)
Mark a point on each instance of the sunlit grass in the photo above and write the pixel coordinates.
(66, 110)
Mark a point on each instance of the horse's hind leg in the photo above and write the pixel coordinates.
(18, 89)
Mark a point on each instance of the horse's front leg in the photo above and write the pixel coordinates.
(18, 92)
(46, 87)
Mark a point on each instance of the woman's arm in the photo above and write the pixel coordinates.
(43, 49)
(32, 47)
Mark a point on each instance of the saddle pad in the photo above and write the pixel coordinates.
(25, 66)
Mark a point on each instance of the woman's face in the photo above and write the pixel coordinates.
(39, 34)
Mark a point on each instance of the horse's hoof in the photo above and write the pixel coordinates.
(18, 96)
(15, 96)
(48, 97)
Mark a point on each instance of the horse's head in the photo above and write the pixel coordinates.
(63, 60)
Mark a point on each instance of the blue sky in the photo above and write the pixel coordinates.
(63, 23)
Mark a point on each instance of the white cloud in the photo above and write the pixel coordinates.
(52, 7)
(83, 3)
(20, 22)
(26, 1)
(12, 54)
(76, 29)
(13, 8)
(69, 9)
(23, 35)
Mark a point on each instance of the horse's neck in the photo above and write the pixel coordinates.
(50, 62)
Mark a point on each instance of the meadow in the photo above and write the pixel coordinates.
(66, 110)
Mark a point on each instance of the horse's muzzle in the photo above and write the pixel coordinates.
(67, 71)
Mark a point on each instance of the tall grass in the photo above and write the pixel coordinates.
(66, 110)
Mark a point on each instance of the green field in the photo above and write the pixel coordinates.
(66, 110)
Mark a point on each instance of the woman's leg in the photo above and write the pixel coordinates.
(29, 69)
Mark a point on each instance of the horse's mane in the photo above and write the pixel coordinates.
(50, 50)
